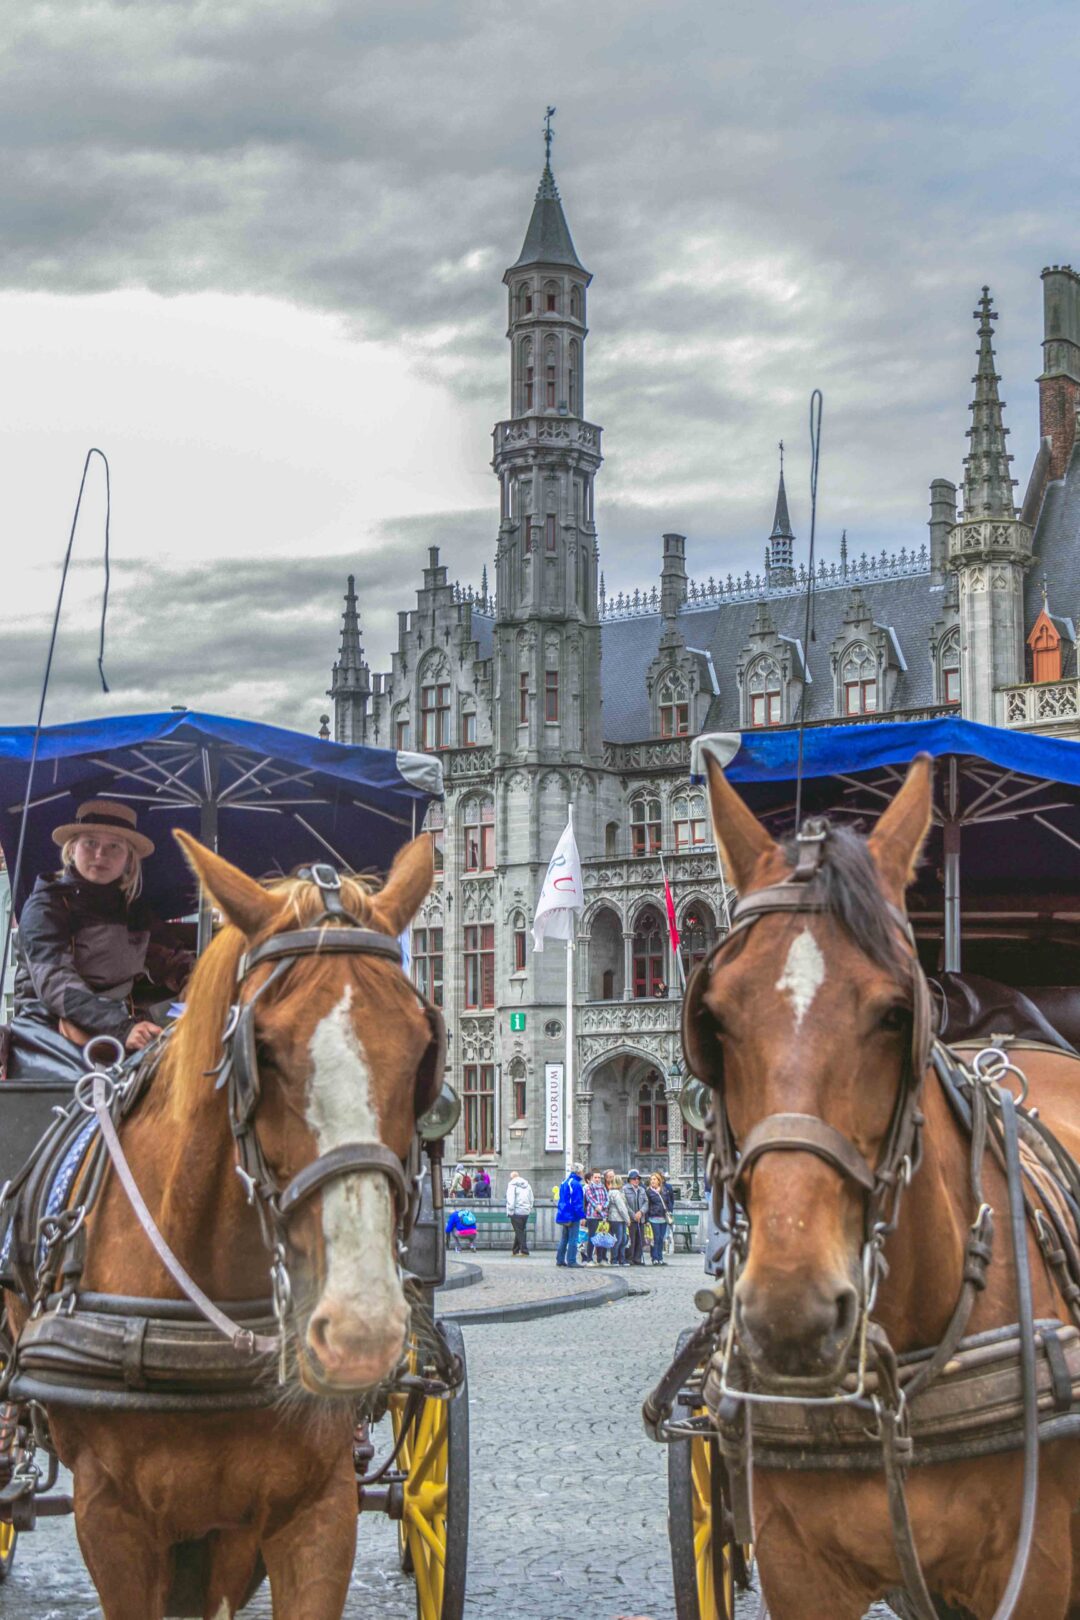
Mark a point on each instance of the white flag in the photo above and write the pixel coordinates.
(563, 892)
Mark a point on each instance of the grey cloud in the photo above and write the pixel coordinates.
(771, 199)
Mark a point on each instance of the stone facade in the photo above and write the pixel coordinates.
(547, 692)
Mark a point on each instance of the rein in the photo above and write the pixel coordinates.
(991, 1116)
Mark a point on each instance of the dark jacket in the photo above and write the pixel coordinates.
(81, 946)
(667, 1193)
(657, 1210)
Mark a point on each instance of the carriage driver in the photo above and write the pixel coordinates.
(84, 938)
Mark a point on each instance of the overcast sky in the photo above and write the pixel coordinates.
(254, 251)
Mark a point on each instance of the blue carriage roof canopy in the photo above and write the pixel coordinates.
(772, 756)
(1013, 796)
(272, 798)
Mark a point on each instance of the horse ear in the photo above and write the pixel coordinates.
(897, 840)
(740, 837)
(410, 879)
(244, 902)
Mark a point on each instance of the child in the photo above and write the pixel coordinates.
(461, 1223)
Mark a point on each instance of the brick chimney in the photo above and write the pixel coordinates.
(1059, 385)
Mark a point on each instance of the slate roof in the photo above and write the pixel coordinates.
(1057, 549)
(548, 239)
(909, 607)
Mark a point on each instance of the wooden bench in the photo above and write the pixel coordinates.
(686, 1226)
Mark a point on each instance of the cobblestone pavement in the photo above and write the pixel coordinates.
(527, 1282)
(569, 1497)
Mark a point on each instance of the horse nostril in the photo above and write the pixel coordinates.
(317, 1333)
(846, 1306)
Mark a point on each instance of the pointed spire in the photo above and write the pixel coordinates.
(780, 551)
(548, 239)
(483, 586)
(987, 485)
(843, 553)
(352, 654)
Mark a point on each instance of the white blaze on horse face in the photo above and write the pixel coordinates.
(803, 975)
(358, 1210)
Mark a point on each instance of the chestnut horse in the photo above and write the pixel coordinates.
(810, 1014)
(340, 1041)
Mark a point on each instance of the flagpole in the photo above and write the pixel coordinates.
(569, 1136)
(674, 947)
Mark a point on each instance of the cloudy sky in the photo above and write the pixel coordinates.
(254, 250)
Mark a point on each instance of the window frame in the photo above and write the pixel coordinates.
(646, 830)
(478, 1108)
(426, 953)
(551, 697)
(435, 716)
(523, 698)
(690, 829)
(648, 966)
(478, 953)
(478, 837)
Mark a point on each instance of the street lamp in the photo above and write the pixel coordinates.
(694, 1105)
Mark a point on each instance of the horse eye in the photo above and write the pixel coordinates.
(896, 1019)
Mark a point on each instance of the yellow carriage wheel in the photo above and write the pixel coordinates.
(702, 1562)
(434, 1528)
(8, 1537)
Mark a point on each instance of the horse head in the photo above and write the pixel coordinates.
(802, 1023)
(346, 1058)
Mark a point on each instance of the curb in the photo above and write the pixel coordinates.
(465, 1277)
(531, 1310)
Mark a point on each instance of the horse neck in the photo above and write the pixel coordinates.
(925, 1254)
(184, 1164)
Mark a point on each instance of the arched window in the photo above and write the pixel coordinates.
(605, 956)
(517, 942)
(688, 812)
(434, 713)
(648, 954)
(858, 680)
(652, 1133)
(949, 660)
(764, 700)
(527, 377)
(551, 297)
(435, 825)
(575, 303)
(519, 1095)
(550, 376)
(525, 303)
(572, 376)
(401, 728)
(645, 826)
(673, 706)
(479, 831)
(611, 838)
(697, 934)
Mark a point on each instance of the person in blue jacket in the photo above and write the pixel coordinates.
(460, 1223)
(568, 1216)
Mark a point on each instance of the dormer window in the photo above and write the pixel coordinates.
(674, 709)
(858, 680)
(949, 661)
(765, 692)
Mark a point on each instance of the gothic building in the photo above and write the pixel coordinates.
(548, 692)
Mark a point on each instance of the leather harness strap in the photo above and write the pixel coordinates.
(344, 1161)
(805, 1133)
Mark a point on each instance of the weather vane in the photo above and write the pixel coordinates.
(549, 135)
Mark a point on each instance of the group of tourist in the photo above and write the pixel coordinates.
(620, 1215)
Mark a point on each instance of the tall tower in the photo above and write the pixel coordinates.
(989, 548)
(350, 683)
(546, 456)
(780, 552)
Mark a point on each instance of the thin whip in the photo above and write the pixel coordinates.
(17, 871)
(816, 399)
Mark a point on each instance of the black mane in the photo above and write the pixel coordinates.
(849, 884)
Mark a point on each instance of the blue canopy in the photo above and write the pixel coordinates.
(1004, 848)
(267, 798)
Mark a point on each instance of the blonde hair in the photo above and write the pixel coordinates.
(130, 878)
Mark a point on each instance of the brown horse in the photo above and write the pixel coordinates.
(340, 1041)
(810, 1014)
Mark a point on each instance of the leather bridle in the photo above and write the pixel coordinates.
(336, 932)
(802, 893)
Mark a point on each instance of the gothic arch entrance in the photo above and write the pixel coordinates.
(630, 1114)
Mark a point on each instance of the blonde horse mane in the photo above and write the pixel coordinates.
(195, 1047)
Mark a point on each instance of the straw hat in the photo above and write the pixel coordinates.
(106, 816)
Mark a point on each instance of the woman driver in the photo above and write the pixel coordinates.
(85, 937)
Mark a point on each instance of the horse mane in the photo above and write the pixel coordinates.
(851, 892)
(194, 1049)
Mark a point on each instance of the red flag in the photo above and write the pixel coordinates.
(672, 926)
